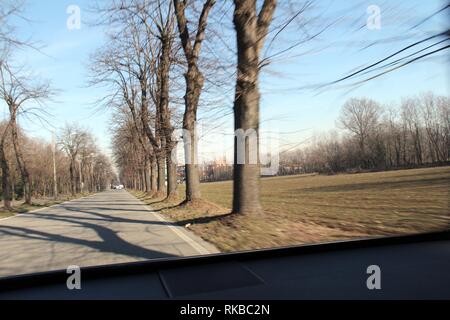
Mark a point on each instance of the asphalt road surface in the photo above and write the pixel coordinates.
(105, 228)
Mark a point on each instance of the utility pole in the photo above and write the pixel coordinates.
(55, 186)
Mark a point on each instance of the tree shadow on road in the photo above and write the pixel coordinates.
(96, 216)
(89, 219)
(110, 241)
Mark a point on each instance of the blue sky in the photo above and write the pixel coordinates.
(284, 106)
(307, 109)
(63, 59)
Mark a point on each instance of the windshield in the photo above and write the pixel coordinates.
(148, 130)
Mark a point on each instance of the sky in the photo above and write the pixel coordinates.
(63, 59)
(287, 107)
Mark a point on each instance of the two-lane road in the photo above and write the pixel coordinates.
(105, 228)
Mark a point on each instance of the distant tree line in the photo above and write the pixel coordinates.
(29, 167)
(88, 171)
(414, 133)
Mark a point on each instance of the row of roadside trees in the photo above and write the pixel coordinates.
(74, 165)
(30, 167)
(151, 41)
(154, 43)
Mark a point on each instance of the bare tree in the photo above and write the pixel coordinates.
(94, 169)
(148, 27)
(23, 96)
(251, 30)
(128, 152)
(72, 141)
(6, 181)
(435, 112)
(124, 67)
(410, 111)
(444, 112)
(361, 117)
(194, 84)
(9, 9)
(410, 134)
(165, 26)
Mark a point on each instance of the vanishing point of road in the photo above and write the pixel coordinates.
(104, 228)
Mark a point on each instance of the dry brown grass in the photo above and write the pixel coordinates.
(313, 208)
(20, 207)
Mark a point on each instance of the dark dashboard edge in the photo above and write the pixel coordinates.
(123, 269)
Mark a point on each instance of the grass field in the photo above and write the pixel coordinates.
(314, 208)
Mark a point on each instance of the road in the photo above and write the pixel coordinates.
(105, 228)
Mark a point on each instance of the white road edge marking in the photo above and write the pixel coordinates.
(194, 244)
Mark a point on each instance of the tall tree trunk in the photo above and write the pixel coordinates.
(167, 143)
(154, 176)
(147, 177)
(161, 176)
(6, 186)
(194, 85)
(73, 181)
(251, 29)
(192, 182)
(13, 187)
(157, 155)
(26, 179)
(171, 178)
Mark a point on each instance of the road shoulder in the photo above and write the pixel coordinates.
(200, 245)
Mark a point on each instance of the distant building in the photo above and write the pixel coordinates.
(216, 170)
